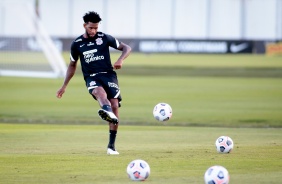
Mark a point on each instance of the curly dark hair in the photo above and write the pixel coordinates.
(92, 16)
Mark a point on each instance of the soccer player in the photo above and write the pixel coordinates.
(92, 49)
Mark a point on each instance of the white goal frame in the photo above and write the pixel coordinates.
(43, 39)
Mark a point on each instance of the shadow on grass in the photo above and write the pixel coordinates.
(241, 124)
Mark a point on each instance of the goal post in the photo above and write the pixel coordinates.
(26, 48)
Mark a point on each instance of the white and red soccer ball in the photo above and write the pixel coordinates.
(224, 144)
(162, 112)
(138, 170)
(216, 175)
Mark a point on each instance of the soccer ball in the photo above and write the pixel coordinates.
(216, 175)
(224, 144)
(162, 112)
(138, 170)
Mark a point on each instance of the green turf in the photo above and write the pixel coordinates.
(203, 90)
(19, 58)
(197, 101)
(48, 140)
(77, 154)
(200, 60)
(200, 65)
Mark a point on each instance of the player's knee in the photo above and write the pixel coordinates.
(114, 104)
(99, 92)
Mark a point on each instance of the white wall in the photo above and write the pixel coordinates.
(188, 19)
(225, 19)
(121, 21)
(261, 19)
(54, 14)
(10, 16)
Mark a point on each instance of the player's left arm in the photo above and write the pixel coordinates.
(125, 51)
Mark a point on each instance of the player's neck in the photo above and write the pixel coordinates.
(85, 35)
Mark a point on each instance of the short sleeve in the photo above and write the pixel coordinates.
(113, 42)
(74, 55)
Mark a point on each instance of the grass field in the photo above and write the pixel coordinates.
(76, 154)
(47, 140)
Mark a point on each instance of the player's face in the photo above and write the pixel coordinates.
(91, 28)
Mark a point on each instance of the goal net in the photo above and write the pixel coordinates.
(26, 49)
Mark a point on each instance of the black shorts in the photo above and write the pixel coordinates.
(108, 80)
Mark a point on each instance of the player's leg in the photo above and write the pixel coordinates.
(106, 113)
(115, 105)
(111, 88)
(113, 129)
(98, 93)
(101, 96)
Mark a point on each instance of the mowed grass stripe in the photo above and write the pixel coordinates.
(241, 65)
(195, 101)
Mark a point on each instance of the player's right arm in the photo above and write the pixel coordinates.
(74, 54)
(70, 72)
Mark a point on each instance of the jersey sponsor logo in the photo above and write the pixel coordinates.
(82, 45)
(90, 51)
(90, 43)
(99, 41)
(90, 57)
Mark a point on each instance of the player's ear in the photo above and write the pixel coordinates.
(84, 25)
